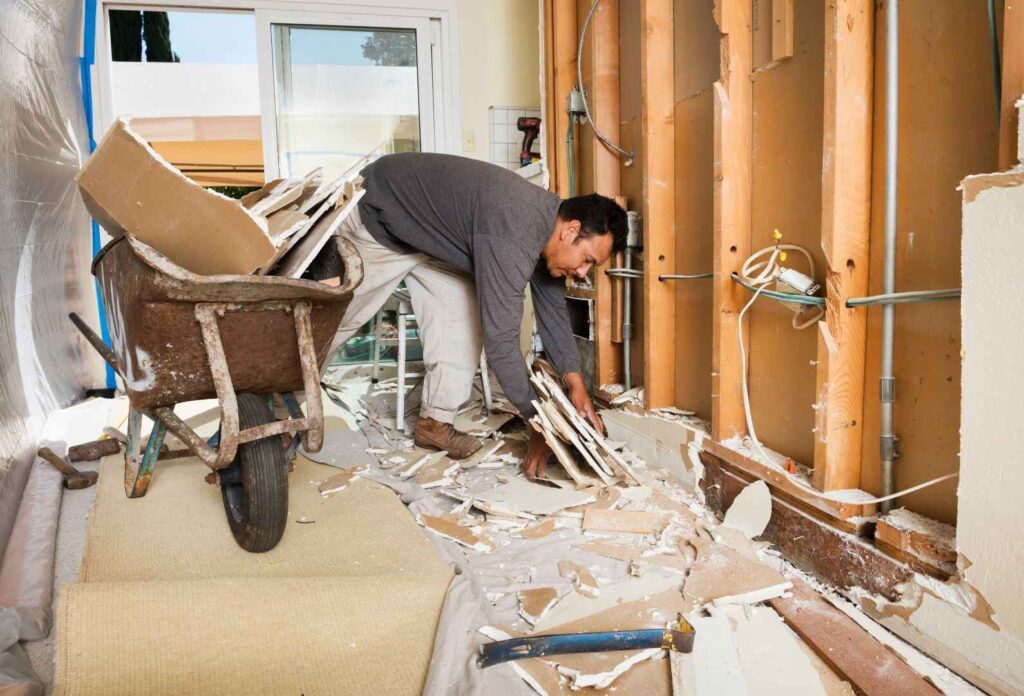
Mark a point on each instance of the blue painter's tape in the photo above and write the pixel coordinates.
(85, 64)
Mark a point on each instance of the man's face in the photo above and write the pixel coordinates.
(568, 254)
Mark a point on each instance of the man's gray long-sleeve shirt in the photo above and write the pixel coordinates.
(491, 223)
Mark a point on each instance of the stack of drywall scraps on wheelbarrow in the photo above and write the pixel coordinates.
(167, 603)
(280, 229)
(567, 433)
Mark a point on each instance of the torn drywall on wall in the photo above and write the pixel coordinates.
(990, 519)
(44, 230)
(654, 439)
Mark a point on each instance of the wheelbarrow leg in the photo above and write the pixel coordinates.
(138, 469)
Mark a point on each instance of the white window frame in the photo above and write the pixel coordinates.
(439, 16)
(431, 133)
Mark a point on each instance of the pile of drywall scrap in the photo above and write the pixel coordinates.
(279, 229)
(574, 439)
(541, 557)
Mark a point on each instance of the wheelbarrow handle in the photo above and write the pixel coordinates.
(102, 348)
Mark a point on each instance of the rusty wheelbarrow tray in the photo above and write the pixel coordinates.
(179, 337)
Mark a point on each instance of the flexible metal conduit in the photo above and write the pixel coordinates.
(887, 381)
(628, 154)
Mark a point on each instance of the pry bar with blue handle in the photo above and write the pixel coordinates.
(678, 638)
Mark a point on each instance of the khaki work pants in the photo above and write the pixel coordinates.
(444, 303)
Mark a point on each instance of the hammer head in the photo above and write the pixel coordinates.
(81, 479)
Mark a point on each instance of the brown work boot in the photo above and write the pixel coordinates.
(433, 434)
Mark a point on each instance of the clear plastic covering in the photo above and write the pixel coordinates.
(45, 235)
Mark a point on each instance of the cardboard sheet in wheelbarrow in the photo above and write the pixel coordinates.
(348, 602)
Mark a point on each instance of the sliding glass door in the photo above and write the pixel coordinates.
(341, 87)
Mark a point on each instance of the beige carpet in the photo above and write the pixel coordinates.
(348, 602)
(178, 530)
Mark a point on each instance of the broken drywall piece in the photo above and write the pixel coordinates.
(449, 529)
(638, 555)
(628, 521)
(539, 531)
(754, 596)
(522, 496)
(602, 680)
(721, 573)
(750, 510)
(576, 606)
(577, 430)
(535, 603)
(298, 259)
(130, 189)
(484, 454)
(338, 482)
(284, 223)
(426, 460)
(483, 427)
(770, 656)
(582, 579)
(716, 665)
(439, 473)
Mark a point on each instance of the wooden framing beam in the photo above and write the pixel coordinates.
(658, 137)
(550, 105)
(563, 13)
(870, 667)
(604, 108)
(1013, 81)
(732, 202)
(845, 227)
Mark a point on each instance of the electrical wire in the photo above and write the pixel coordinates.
(759, 274)
(579, 82)
(997, 68)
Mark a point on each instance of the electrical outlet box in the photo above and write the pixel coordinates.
(576, 103)
(794, 282)
(468, 141)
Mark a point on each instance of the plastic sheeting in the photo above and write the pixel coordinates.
(45, 245)
(16, 675)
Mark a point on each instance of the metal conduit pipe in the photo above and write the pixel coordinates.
(887, 381)
(632, 242)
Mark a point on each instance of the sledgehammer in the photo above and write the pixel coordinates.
(73, 478)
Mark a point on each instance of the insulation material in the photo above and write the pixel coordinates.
(44, 232)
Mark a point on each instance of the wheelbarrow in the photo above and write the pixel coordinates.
(245, 340)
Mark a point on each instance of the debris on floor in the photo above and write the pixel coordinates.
(606, 542)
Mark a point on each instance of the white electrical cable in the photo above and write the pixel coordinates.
(760, 274)
(579, 86)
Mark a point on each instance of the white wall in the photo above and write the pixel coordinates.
(499, 62)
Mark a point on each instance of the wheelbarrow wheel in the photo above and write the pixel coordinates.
(255, 486)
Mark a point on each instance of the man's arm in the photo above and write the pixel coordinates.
(501, 269)
(553, 320)
(559, 343)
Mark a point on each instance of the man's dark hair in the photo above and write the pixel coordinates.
(597, 214)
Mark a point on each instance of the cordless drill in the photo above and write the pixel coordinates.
(529, 126)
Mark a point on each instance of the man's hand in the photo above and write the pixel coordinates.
(581, 399)
(537, 454)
